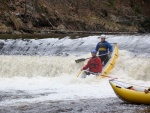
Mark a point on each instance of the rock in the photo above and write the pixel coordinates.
(17, 32)
(1, 44)
(4, 29)
(18, 24)
(113, 18)
(61, 27)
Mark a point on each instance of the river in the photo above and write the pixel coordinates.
(40, 75)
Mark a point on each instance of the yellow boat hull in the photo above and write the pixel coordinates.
(128, 95)
(110, 64)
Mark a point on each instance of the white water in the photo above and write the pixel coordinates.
(30, 79)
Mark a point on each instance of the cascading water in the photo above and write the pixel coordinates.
(45, 69)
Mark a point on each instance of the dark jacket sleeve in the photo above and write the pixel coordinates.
(109, 46)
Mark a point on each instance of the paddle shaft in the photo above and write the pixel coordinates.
(99, 55)
(83, 59)
(79, 73)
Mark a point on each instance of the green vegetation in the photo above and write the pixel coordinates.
(135, 7)
(137, 10)
(111, 3)
(119, 10)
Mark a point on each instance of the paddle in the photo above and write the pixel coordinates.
(79, 73)
(83, 59)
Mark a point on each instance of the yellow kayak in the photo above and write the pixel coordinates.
(129, 93)
(108, 67)
(110, 64)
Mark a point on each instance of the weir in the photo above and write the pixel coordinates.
(51, 57)
(137, 44)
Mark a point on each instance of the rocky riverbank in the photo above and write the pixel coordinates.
(106, 105)
(67, 16)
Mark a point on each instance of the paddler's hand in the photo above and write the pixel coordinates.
(81, 69)
(98, 74)
(109, 55)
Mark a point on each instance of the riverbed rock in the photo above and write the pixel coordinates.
(1, 44)
(18, 24)
(4, 29)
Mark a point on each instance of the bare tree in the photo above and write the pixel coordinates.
(77, 6)
(25, 8)
(90, 4)
(35, 4)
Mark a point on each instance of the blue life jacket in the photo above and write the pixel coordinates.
(103, 47)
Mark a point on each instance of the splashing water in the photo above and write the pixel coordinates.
(51, 75)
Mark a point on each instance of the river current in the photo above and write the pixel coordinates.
(35, 71)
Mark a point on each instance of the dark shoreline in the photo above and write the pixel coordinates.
(106, 105)
(72, 35)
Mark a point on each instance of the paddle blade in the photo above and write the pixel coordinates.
(80, 60)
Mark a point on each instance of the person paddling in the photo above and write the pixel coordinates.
(104, 48)
(94, 64)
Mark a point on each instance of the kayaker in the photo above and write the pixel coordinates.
(104, 48)
(94, 64)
